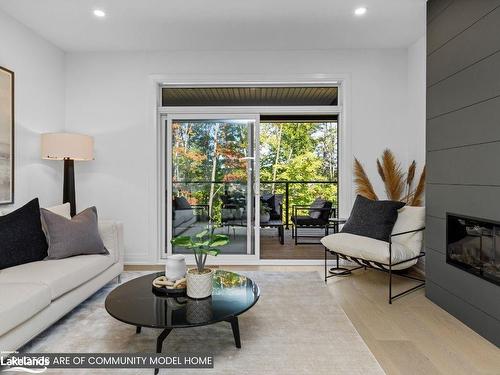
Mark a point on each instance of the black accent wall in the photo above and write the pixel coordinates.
(463, 148)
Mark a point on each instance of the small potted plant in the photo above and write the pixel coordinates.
(199, 279)
(265, 213)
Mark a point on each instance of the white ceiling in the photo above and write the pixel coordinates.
(221, 24)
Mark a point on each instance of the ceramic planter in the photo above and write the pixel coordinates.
(199, 285)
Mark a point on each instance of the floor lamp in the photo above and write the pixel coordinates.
(68, 147)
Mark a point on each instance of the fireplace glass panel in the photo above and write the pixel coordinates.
(474, 246)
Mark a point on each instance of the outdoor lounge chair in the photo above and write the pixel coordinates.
(401, 252)
(316, 215)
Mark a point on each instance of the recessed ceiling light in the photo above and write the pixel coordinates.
(99, 13)
(360, 11)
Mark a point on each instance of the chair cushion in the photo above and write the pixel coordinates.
(20, 301)
(316, 207)
(21, 236)
(60, 275)
(374, 219)
(368, 249)
(410, 218)
(307, 220)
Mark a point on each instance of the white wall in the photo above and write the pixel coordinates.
(108, 96)
(416, 98)
(39, 107)
(417, 53)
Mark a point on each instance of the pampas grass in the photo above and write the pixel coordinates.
(417, 195)
(410, 176)
(398, 184)
(392, 175)
(363, 185)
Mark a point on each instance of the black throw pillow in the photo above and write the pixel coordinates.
(374, 219)
(21, 236)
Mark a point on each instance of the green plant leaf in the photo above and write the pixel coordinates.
(220, 237)
(202, 234)
(220, 242)
(212, 252)
(183, 241)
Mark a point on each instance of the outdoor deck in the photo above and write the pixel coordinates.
(270, 247)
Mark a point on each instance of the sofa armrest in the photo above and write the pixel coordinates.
(112, 235)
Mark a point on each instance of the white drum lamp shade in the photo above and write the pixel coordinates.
(60, 146)
(68, 147)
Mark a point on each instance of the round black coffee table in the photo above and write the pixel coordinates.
(134, 303)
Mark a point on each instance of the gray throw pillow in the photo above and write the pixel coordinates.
(78, 236)
(374, 219)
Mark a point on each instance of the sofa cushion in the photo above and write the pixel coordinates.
(21, 236)
(183, 216)
(77, 236)
(368, 249)
(181, 203)
(20, 301)
(374, 219)
(60, 275)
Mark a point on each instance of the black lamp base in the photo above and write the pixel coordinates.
(69, 185)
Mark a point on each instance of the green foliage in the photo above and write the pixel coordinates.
(288, 152)
(202, 244)
(307, 152)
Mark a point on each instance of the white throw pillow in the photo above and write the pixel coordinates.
(410, 218)
(62, 209)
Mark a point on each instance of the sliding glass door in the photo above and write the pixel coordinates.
(211, 178)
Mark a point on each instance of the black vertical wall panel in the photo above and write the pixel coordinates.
(463, 148)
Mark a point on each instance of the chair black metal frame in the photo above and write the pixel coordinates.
(278, 224)
(384, 267)
(323, 225)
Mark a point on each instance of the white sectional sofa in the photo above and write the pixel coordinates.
(35, 295)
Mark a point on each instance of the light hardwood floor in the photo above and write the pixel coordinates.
(411, 336)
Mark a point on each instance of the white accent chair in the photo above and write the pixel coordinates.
(403, 250)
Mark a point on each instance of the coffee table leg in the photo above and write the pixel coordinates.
(138, 329)
(159, 343)
(236, 331)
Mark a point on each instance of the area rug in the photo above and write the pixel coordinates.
(295, 328)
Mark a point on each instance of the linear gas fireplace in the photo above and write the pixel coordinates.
(473, 245)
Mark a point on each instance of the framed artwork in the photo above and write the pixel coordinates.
(6, 136)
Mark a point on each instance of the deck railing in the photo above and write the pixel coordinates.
(284, 187)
